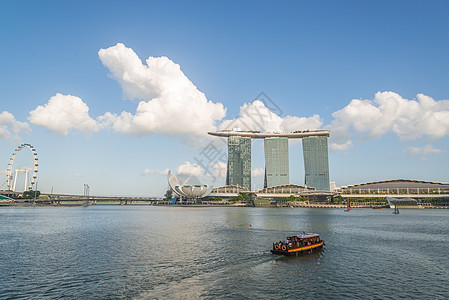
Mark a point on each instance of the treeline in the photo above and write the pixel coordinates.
(30, 195)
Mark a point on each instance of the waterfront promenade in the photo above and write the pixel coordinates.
(143, 202)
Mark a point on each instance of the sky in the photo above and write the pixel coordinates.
(114, 94)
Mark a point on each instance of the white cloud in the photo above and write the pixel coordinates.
(258, 172)
(10, 127)
(219, 168)
(256, 116)
(389, 112)
(171, 104)
(189, 169)
(216, 170)
(428, 149)
(63, 113)
(292, 123)
(157, 172)
(340, 147)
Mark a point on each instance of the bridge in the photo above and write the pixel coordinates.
(61, 198)
(67, 198)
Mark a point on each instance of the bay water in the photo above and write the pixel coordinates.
(160, 252)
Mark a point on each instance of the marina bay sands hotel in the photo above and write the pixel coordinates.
(315, 151)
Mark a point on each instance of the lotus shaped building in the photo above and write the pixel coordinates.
(188, 186)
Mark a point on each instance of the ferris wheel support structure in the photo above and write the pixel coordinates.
(11, 162)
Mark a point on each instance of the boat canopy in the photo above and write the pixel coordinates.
(304, 236)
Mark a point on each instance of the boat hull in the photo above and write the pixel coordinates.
(300, 251)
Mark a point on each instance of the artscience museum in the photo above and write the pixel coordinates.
(188, 187)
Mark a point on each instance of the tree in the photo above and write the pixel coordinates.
(212, 198)
(243, 198)
(168, 194)
(31, 194)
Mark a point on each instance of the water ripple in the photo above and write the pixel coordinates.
(145, 252)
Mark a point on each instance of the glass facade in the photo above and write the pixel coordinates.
(239, 161)
(316, 162)
(276, 161)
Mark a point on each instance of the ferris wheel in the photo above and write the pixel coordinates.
(11, 161)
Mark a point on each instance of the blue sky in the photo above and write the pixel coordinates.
(310, 58)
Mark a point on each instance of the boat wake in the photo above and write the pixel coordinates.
(209, 284)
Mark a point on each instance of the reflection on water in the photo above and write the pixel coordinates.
(145, 252)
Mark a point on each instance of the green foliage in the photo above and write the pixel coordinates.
(363, 199)
(242, 198)
(31, 194)
(168, 194)
(338, 199)
(435, 201)
(212, 198)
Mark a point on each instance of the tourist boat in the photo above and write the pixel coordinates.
(296, 245)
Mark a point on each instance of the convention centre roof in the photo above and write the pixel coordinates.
(398, 183)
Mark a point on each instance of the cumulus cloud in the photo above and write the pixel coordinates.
(170, 103)
(292, 123)
(427, 149)
(188, 168)
(258, 172)
(10, 127)
(389, 112)
(256, 116)
(62, 114)
(157, 172)
(341, 146)
(219, 169)
(213, 170)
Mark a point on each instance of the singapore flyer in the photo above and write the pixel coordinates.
(10, 176)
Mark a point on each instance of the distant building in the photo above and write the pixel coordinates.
(315, 150)
(276, 161)
(273, 193)
(397, 187)
(239, 161)
(316, 162)
(228, 191)
(286, 190)
(188, 187)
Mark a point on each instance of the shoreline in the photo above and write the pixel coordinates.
(295, 205)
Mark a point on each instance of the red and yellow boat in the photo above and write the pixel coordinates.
(296, 245)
